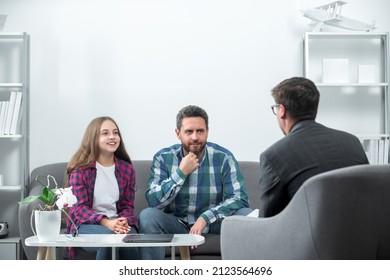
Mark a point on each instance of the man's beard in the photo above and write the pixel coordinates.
(196, 150)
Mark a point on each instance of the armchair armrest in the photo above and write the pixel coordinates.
(284, 236)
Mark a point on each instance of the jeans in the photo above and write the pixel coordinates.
(153, 220)
(105, 253)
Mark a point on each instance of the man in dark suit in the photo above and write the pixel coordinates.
(308, 148)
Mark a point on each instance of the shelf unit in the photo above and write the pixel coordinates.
(14, 149)
(332, 61)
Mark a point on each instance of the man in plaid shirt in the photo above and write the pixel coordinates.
(193, 185)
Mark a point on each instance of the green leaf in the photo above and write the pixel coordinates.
(29, 199)
(48, 196)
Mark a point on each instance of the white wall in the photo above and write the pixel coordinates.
(142, 61)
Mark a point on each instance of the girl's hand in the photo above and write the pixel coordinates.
(121, 226)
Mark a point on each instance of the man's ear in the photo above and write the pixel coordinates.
(282, 111)
(177, 131)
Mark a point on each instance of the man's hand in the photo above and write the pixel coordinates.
(189, 163)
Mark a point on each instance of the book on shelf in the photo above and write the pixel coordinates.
(16, 116)
(10, 115)
(386, 152)
(377, 150)
(3, 114)
(374, 151)
(381, 151)
(10, 112)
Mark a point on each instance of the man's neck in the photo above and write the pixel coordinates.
(288, 125)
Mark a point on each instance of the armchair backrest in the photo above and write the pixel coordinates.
(340, 214)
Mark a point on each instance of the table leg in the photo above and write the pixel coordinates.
(184, 252)
(41, 255)
(113, 254)
(51, 253)
(173, 253)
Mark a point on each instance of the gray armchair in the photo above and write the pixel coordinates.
(340, 214)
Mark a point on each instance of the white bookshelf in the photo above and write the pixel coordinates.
(360, 108)
(14, 149)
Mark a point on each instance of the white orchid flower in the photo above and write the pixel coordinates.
(65, 198)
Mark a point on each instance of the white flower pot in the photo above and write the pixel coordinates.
(47, 224)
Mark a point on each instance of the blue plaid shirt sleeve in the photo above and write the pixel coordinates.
(163, 184)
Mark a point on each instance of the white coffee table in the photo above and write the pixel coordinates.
(47, 248)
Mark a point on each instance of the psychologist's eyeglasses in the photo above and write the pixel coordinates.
(273, 108)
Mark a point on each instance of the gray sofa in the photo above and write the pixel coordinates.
(338, 215)
(209, 250)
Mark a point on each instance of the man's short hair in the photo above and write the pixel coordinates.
(191, 111)
(299, 95)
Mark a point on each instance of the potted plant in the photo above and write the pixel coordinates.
(48, 215)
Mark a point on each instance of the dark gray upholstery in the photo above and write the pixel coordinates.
(340, 214)
(209, 250)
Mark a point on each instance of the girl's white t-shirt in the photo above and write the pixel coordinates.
(106, 192)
